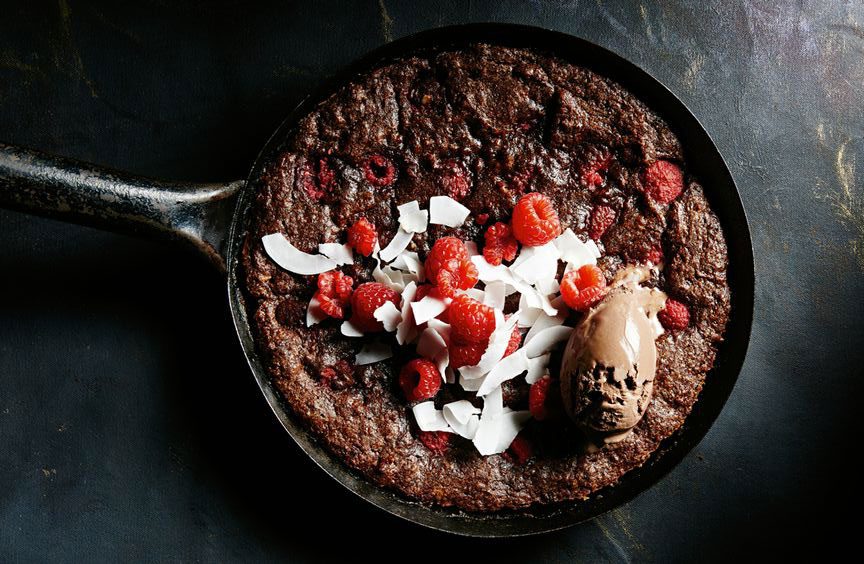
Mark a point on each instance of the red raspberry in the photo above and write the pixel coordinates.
(583, 288)
(470, 321)
(334, 293)
(449, 267)
(419, 380)
(365, 300)
(674, 316)
(535, 221)
(592, 172)
(602, 219)
(466, 354)
(338, 376)
(520, 450)
(537, 398)
(654, 255)
(379, 171)
(662, 181)
(500, 244)
(520, 180)
(515, 341)
(362, 237)
(317, 178)
(454, 180)
(436, 441)
(482, 218)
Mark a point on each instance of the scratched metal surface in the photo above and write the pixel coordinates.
(130, 427)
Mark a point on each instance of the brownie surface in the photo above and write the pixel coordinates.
(485, 125)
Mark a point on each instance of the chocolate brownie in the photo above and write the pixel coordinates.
(484, 125)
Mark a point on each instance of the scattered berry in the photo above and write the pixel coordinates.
(592, 173)
(535, 221)
(470, 321)
(583, 288)
(520, 450)
(334, 293)
(537, 398)
(602, 219)
(362, 237)
(520, 180)
(513, 344)
(365, 300)
(436, 441)
(455, 180)
(338, 376)
(317, 178)
(482, 218)
(500, 244)
(467, 354)
(424, 290)
(674, 316)
(419, 380)
(654, 255)
(449, 267)
(379, 171)
(662, 181)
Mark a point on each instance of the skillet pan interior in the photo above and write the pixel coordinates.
(705, 162)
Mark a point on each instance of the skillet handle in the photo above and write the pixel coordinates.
(199, 214)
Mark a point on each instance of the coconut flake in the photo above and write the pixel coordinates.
(444, 210)
(442, 328)
(430, 344)
(545, 340)
(409, 261)
(495, 350)
(472, 384)
(498, 427)
(389, 315)
(411, 218)
(398, 243)
(494, 294)
(428, 418)
(476, 294)
(292, 259)
(574, 251)
(655, 325)
(548, 286)
(350, 330)
(462, 417)
(341, 254)
(542, 322)
(406, 327)
(314, 313)
(373, 352)
(427, 308)
(509, 367)
(537, 367)
(541, 263)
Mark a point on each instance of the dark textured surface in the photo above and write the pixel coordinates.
(129, 423)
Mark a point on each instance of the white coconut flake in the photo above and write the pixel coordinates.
(389, 315)
(411, 218)
(548, 286)
(545, 340)
(462, 417)
(495, 294)
(373, 352)
(292, 259)
(350, 330)
(408, 207)
(498, 426)
(542, 322)
(444, 210)
(428, 418)
(509, 367)
(430, 344)
(541, 263)
(476, 294)
(592, 246)
(470, 385)
(529, 315)
(341, 254)
(537, 368)
(409, 261)
(655, 325)
(314, 313)
(406, 328)
(574, 251)
(495, 350)
(427, 308)
(442, 328)
(398, 243)
(493, 403)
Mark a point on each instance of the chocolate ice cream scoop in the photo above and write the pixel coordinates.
(607, 373)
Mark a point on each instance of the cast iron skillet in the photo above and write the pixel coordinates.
(213, 218)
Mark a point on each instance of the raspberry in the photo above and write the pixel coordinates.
(662, 181)
(338, 376)
(515, 341)
(500, 244)
(654, 255)
(317, 178)
(674, 316)
(365, 300)
(470, 321)
(469, 354)
(436, 441)
(454, 180)
(602, 219)
(482, 218)
(449, 267)
(537, 398)
(334, 293)
(520, 450)
(379, 171)
(583, 288)
(419, 380)
(535, 221)
(362, 237)
(522, 179)
(591, 172)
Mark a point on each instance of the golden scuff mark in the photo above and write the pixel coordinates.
(623, 520)
(49, 472)
(70, 49)
(386, 22)
(11, 62)
(691, 73)
(848, 205)
(611, 538)
(643, 13)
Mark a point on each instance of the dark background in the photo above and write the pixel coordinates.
(130, 427)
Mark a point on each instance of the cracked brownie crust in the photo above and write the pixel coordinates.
(484, 125)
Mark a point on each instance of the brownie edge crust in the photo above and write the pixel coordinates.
(485, 125)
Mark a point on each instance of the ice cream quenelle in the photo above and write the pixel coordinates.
(607, 373)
